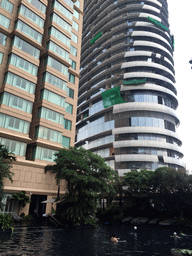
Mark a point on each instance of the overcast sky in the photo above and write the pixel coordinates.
(180, 13)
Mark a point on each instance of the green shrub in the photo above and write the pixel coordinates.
(6, 221)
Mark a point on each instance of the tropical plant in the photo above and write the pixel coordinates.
(87, 177)
(21, 198)
(6, 221)
(6, 159)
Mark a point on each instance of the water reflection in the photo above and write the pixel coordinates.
(145, 241)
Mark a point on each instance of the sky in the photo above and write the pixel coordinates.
(180, 25)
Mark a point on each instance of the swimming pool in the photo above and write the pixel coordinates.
(85, 241)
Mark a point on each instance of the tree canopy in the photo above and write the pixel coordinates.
(87, 177)
(6, 159)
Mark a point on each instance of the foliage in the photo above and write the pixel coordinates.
(6, 159)
(111, 213)
(6, 221)
(138, 182)
(164, 192)
(27, 218)
(87, 177)
(169, 180)
(21, 198)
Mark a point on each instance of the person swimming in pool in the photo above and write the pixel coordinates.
(114, 239)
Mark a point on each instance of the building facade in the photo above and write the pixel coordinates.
(127, 96)
(40, 47)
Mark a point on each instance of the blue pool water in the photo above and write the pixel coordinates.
(84, 241)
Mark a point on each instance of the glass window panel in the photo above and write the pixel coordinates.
(50, 115)
(56, 33)
(71, 78)
(57, 65)
(77, 3)
(14, 123)
(7, 5)
(73, 64)
(40, 6)
(26, 47)
(19, 82)
(65, 142)
(23, 64)
(74, 38)
(62, 9)
(53, 97)
(69, 2)
(70, 92)
(48, 134)
(76, 14)
(67, 124)
(20, 25)
(3, 39)
(68, 108)
(18, 148)
(47, 77)
(4, 21)
(57, 49)
(1, 57)
(73, 50)
(44, 154)
(17, 102)
(75, 26)
(31, 15)
(61, 22)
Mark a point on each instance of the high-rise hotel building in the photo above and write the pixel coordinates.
(40, 47)
(127, 96)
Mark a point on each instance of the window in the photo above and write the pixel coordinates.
(77, 3)
(4, 21)
(7, 5)
(73, 64)
(68, 108)
(65, 142)
(61, 22)
(3, 39)
(75, 26)
(1, 57)
(44, 154)
(56, 65)
(71, 78)
(56, 33)
(18, 148)
(69, 2)
(76, 14)
(74, 38)
(49, 78)
(48, 134)
(67, 124)
(53, 97)
(26, 47)
(16, 102)
(73, 50)
(70, 92)
(38, 5)
(14, 123)
(50, 115)
(57, 49)
(62, 9)
(23, 64)
(31, 15)
(20, 25)
(19, 82)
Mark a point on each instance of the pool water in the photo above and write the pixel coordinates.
(86, 241)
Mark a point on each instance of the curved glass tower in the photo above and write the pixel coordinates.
(127, 97)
